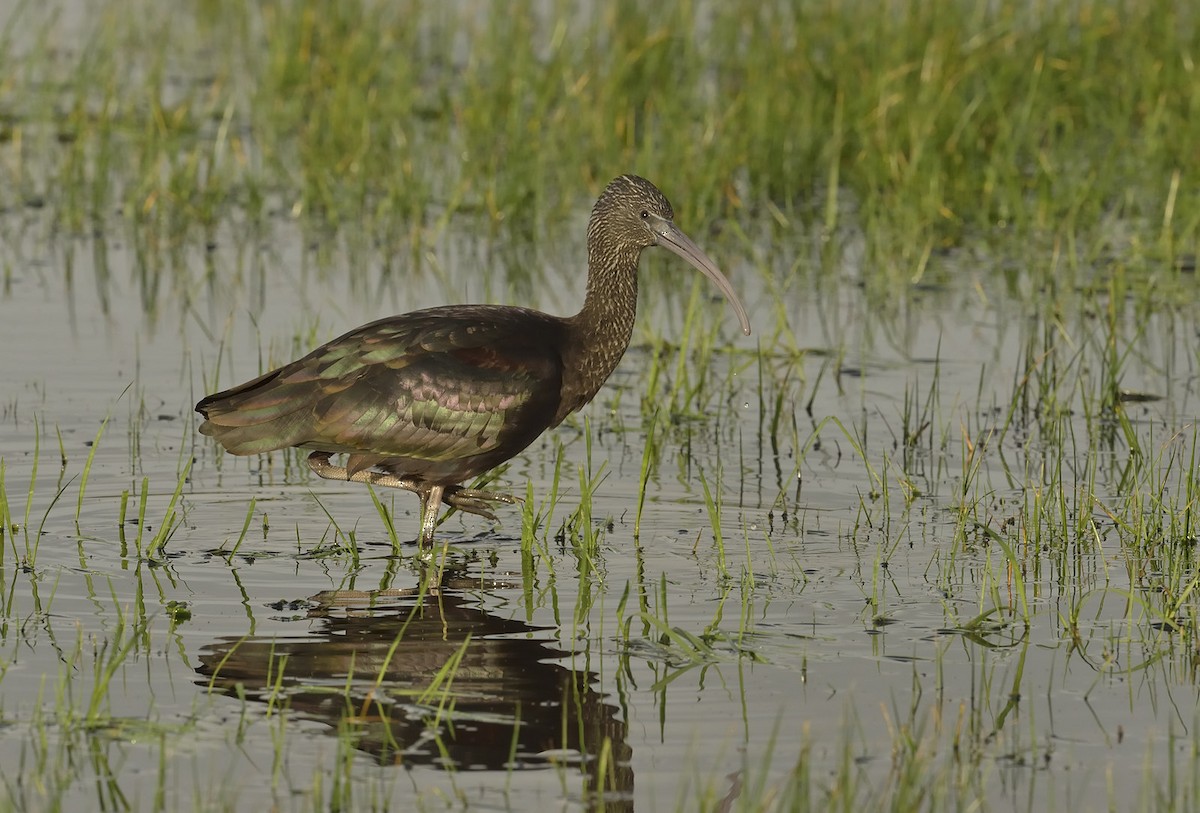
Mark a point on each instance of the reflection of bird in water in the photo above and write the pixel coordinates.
(507, 703)
(429, 399)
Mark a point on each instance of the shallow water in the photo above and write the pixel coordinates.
(837, 615)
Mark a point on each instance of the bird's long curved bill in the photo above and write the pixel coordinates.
(673, 238)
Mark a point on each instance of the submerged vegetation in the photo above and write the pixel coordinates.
(927, 542)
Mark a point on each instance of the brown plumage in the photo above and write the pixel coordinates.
(428, 399)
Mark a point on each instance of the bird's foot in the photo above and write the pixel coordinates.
(319, 463)
(470, 500)
(475, 502)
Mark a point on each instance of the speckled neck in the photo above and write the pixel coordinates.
(600, 332)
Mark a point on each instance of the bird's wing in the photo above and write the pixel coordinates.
(433, 385)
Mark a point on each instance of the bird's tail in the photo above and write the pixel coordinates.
(259, 416)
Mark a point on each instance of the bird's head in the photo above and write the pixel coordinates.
(632, 214)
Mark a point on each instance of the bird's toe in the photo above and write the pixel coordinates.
(469, 505)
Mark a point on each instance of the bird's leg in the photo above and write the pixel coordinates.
(475, 502)
(469, 500)
(319, 463)
(431, 501)
(431, 495)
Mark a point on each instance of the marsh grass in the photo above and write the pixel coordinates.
(926, 125)
(8, 527)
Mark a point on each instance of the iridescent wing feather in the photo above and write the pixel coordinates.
(434, 385)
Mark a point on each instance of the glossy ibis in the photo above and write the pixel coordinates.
(426, 400)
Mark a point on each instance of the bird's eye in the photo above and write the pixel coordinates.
(645, 215)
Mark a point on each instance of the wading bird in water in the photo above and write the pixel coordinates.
(428, 399)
